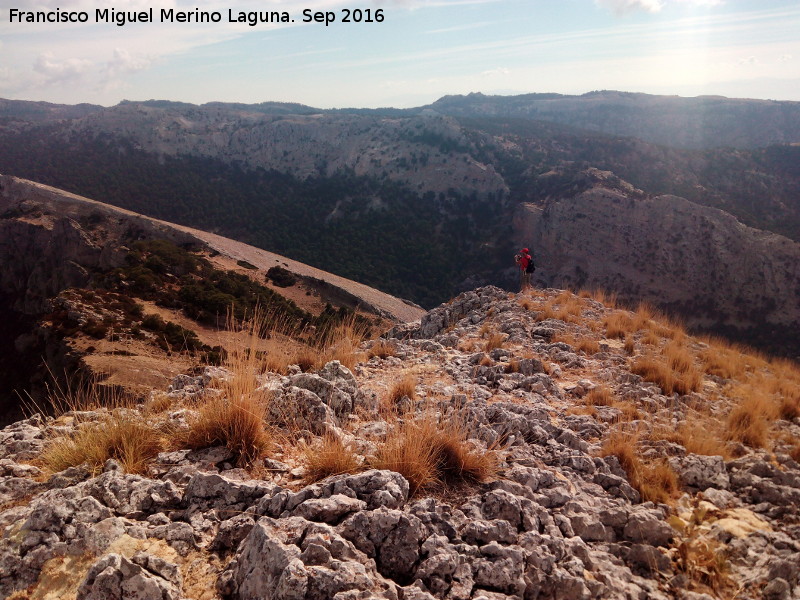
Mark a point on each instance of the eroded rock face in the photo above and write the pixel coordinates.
(709, 268)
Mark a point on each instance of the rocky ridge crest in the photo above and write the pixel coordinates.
(560, 521)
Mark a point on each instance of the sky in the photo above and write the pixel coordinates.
(420, 51)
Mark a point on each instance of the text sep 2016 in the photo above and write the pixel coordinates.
(251, 18)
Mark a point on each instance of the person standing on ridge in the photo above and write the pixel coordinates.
(526, 268)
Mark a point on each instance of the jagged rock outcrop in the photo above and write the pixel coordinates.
(560, 521)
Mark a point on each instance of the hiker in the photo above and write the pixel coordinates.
(526, 267)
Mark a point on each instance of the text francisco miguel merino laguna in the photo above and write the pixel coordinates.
(170, 15)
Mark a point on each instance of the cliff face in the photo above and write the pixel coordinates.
(429, 153)
(699, 261)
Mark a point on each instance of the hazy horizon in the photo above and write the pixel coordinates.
(421, 51)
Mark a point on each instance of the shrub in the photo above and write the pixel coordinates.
(281, 277)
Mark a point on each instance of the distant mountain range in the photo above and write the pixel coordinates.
(429, 201)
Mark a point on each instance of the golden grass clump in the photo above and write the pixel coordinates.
(630, 345)
(599, 396)
(429, 453)
(588, 345)
(329, 457)
(123, 435)
(306, 359)
(699, 435)
(662, 374)
(656, 371)
(234, 422)
(486, 361)
(546, 311)
(655, 481)
(495, 340)
(618, 324)
(381, 349)
(795, 453)
(608, 299)
(748, 420)
(569, 307)
(158, 402)
(720, 360)
(341, 343)
(278, 362)
(236, 417)
(407, 386)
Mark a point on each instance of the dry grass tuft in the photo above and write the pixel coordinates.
(123, 435)
(702, 558)
(569, 307)
(599, 396)
(651, 338)
(494, 341)
(235, 418)
(278, 362)
(699, 435)
(665, 376)
(381, 349)
(747, 422)
(234, 422)
(486, 361)
(795, 453)
(158, 402)
(546, 311)
(608, 299)
(329, 457)
(407, 386)
(428, 453)
(618, 324)
(306, 359)
(655, 482)
(630, 346)
(655, 371)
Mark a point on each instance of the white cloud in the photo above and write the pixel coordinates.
(749, 61)
(124, 63)
(497, 71)
(622, 7)
(65, 71)
(784, 58)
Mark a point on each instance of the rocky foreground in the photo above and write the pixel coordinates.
(559, 519)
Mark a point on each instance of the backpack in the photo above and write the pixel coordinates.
(531, 267)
